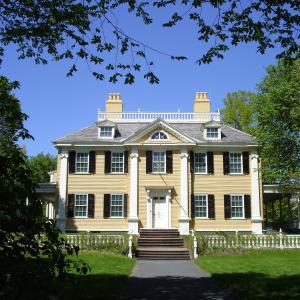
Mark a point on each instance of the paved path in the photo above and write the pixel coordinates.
(172, 280)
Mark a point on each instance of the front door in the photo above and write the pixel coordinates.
(159, 212)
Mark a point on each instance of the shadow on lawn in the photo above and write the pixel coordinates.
(259, 286)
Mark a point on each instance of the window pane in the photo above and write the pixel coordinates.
(105, 131)
(82, 162)
(81, 204)
(117, 162)
(212, 132)
(235, 163)
(200, 206)
(200, 163)
(158, 162)
(159, 135)
(116, 206)
(237, 206)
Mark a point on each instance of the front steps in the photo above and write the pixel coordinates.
(165, 244)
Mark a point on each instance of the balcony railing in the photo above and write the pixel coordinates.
(181, 117)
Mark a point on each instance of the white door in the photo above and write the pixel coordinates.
(159, 212)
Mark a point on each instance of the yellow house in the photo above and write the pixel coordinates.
(164, 170)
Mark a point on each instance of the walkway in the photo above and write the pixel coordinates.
(172, 280)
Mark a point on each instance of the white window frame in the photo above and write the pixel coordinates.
(241, 155)
(205, 162)
(165, 162)
(213, 138)
(87, 205)
(160, 131)
(110, 207)
(206, 196)
(111, 163)
(88, 162)
(107, 137)
(243, 208)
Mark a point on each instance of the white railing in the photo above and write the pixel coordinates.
(181, 117)
(253, 242)
(90, 240)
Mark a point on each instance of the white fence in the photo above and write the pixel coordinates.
(89, 240)
(279, 241)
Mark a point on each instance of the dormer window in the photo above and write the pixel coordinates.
(212, 133)
(106, 132)
(159, 135)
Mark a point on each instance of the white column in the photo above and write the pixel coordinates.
(133, 220)
(184, 219)
(62, 196)
(255, 194)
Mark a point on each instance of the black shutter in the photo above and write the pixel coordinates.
(72, 155)
(192, 206)
(91, 205)
(210, 162)
(125, 161)
(247, 204)
(192, 161)
(125, 205)
(92, 162)
(107, 164)
(246, 163)
(227, 207)
(71, 200)
(106, 206)
(226, 163)
(148, 162)
(169, 162)
(211, 206)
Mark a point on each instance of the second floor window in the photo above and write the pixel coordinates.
(235, 163)
(159, 162)
(117, 162)
(106, 132)
(82, 162)
(200, 163)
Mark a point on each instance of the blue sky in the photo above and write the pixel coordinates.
(58, 105)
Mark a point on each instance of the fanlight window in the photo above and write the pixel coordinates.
(159, 135)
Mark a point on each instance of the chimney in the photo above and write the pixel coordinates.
(114, 103)
(201, 103)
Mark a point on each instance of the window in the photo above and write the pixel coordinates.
(82, 162)
(106, 132)
(235, 163)
(81, 206)
(237, 206)
(212, 133)
(116, 206)
(159, 135)
(159, 162)
(117, 162)
(201, 207)
(200, 163)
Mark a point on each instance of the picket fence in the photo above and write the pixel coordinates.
(279, 241)
(89, 240)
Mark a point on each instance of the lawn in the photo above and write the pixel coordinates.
(105, 281)
(271, 274)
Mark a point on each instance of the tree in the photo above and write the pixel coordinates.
(238, 111)
(40, 165)
(277, 108)
(32, 254)
(88, 30)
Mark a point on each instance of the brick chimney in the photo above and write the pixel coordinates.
(201, 103)
(114, 103)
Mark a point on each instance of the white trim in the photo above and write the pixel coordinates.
(205, 162)
(206, 195)
(165, 161)
(242, 167)
(87, 206)
(243, 199)
(88, 162)
(111, 162)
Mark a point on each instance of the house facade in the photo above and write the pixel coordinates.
(139, 170)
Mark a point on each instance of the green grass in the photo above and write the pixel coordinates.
(108, 276)
(257, 275)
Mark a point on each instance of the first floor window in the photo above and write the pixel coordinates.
(212, 133)
(200, 163)
(81, 205)
(117, 162)
(235, 163)
(159, 162)
(106, 132)
(82, 162)
(201, 207)
(116, 206)
(237, 206)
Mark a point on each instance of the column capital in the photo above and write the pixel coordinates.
(184, 153)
